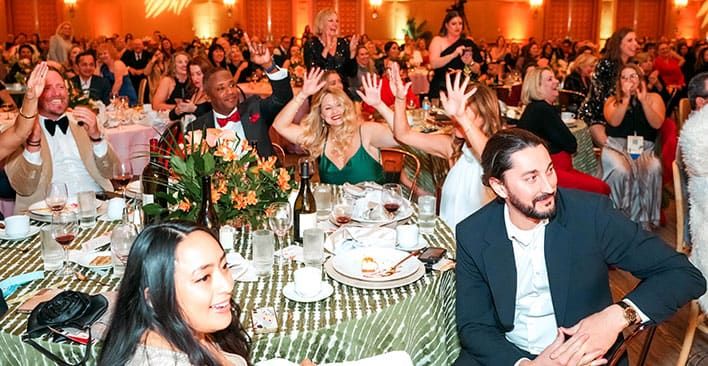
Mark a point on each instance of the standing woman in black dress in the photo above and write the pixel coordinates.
(326, 50)
(446, 49)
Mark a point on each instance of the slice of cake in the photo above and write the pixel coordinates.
(369, 265)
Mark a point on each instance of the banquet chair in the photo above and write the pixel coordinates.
(696, 320)
(566, 96)
(393, 162)
(620, 351)
(684, 109)
(681, 245)
(141, 91)
(279, 153)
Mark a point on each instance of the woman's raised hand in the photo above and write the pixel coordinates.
(353, 45)
(398, 88)
(37, 79)
(313, 81)
(455, 100)
(260, 54)
(372, 90)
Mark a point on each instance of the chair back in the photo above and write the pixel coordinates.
(141, 91)
(565, 97)
(684, 109)
(621, 350)
(279, 153)
(681, 245)
(393, 162)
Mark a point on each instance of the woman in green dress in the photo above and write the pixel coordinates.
(346, 146)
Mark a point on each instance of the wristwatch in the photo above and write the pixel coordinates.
(630, 315)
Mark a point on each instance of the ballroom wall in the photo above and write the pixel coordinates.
(515, 19)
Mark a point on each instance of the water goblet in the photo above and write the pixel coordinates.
(56, 197)
(65, 228)
(280, 219)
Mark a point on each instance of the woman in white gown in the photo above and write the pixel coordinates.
(474, 108)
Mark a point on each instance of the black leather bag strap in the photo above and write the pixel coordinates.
(55, 358)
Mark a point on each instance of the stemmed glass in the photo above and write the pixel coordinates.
(55, 197)
(65, 228)
(280, 218)
(391, 198)
(122, 174)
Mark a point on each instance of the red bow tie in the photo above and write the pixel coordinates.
(234, 117)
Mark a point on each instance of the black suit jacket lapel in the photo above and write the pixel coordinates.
(501, 267)
(558, 261)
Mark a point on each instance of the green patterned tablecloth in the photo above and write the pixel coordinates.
(350, 324)
(584, 158)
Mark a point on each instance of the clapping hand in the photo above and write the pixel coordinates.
(455, 100)
(353, 45)
(398, 88)
(87, 119)
(372, 90)
(260, 54)
(642, 92)
(313, 82)
(37, 79)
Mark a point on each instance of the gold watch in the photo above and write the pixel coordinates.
(630, 315)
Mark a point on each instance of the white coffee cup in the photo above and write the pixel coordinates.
(567, 116)
(308, 281)
(17, 226)
(407, 236)
(147, 108)
(115, 208)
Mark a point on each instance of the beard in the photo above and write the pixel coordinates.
(530, 210)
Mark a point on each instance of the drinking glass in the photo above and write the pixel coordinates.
(122, 239)
(263, 244)
(65, 228)
(323, 201)
(391, 198)
(52, 252)
(426, 214)
(87, 209)
(280, 218)
(313, 247)
(56, 197)
(122, 174)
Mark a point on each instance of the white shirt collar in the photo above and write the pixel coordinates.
(524, 237)
(219, 115)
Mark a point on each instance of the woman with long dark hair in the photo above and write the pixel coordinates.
(175, 303)
(217, 56)
(619, 48)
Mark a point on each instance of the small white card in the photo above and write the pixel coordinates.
(635, 145)
(95, 243)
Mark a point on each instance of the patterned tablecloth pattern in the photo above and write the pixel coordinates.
(351, 324)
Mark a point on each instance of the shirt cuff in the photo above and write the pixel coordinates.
(643, 317)
(34, 158)
(278, 75)
(517, 363)
(100, 149)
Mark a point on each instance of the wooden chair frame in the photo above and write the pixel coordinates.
(402, 154)
(279, 153)
(141, 91)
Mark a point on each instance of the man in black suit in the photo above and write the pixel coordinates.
(98, 87)
(252, 117)
(532, 270)
(136, 59)
(282, 52)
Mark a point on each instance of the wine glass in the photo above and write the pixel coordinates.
(280, 218)
(391, 198)
(65, 228)
(56, 196)
(122, 174)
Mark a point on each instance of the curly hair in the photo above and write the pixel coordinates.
(316, 129)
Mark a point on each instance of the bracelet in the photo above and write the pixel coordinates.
(99, 139)
(34, 143)
(27, 117)
(272, 68)
(400, 99)
(300, 100)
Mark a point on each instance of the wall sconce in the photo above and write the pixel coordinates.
(229, 5)
(535, 4)
(375, 4)
(680, 3)
(71, 5)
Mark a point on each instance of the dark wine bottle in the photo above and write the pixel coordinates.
(154, 180)
(304, 211)
(207, 213)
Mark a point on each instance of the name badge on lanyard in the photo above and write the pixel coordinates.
(635, 146)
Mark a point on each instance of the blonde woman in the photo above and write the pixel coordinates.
(580, 77)
(347, 148)
(327, 50)
(115, 71)
(474, 109)
(60, 43)
(634, 117)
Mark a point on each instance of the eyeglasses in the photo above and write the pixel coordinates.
(630, 77)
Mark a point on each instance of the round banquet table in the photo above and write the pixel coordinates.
(131, 143)
(351, 324)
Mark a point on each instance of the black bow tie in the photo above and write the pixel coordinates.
(51, 125)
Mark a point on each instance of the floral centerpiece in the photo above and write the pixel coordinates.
(243, 184)
(297, 73)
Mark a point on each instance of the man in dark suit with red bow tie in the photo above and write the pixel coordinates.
(251, 118)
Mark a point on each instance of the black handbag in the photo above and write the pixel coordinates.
(69, 309)
(3, 304)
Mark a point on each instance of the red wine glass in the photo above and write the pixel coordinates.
(65, 228)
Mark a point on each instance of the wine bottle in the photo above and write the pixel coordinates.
(304, 210)
(207, 213)
(154, 180)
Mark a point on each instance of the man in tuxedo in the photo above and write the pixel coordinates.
(98, 87)
(532, 270)
(282, 52)
(251, 118)
(63, 148)
(136, 59)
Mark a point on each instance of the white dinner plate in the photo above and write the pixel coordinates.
(350, 264)
(332, 273)
(41, 209)
(84, 259)
(33, 230)
(326, 290)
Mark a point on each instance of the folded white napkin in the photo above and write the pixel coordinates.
(291, 252)
(341, 241)
(242, 269)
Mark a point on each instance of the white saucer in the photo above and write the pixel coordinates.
(105, 217)
(33, 230)
(326, 290)
(422, 243)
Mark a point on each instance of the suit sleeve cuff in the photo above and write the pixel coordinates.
(278, 75)
(643, 317)
(34, 158)
(100, 149)
(517, 363)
